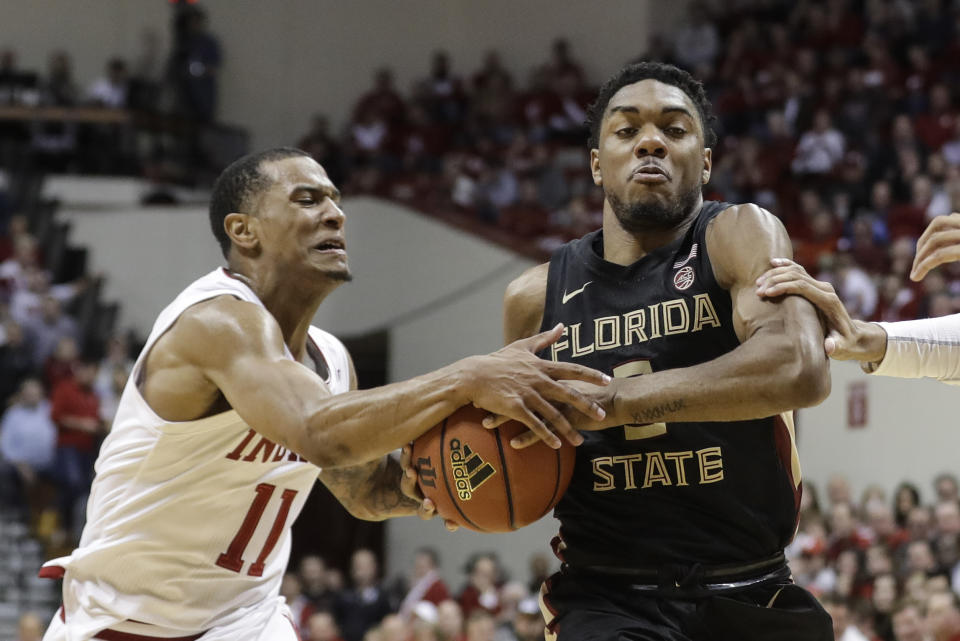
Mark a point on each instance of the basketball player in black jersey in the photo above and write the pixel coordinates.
(684, 497)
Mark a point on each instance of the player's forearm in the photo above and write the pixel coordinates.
(768, 374)
(358, 427)
(926, 348)
(370, 491)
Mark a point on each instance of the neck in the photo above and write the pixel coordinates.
(292, 307)
(624, 247)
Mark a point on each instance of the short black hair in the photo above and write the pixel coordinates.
(237, 183)
(661, 72)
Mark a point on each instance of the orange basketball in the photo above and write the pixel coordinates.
(478, 480)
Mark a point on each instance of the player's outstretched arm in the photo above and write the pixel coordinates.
(238, 347)
(928, 347)
(847, 339)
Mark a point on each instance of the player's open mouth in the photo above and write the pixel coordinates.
(334, 246)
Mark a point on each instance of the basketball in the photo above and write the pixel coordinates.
(475, 478)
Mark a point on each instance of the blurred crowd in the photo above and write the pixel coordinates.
(57, 392)
(172, 93)
(840, 116)
(887, 568)
(417, 606)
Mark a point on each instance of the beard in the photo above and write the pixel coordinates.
(340, 275)
(655, 215)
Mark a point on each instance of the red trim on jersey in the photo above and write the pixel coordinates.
(113, 635)
(294, 625)
(51, 572)
(784, 447)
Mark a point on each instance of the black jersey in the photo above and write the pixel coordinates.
(645, 495)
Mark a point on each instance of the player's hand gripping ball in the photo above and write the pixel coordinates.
(476, 479)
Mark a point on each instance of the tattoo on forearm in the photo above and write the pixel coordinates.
(658, 412)
(372, 489)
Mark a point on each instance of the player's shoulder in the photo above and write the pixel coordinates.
(220, 325)
(744, 216)
(524, 301)
(742, 238)
(532, 281)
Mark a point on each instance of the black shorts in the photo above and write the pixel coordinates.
(588, 607)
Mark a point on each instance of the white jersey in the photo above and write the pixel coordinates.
(188, 523)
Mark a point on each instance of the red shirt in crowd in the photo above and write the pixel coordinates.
(70, 399)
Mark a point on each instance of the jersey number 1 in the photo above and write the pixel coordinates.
(648, 430)
(232, 559)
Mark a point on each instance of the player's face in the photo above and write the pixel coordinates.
(650, 159)
(300, 220)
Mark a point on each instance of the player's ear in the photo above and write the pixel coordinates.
(595, 167)
(707, 165)
(241, 228)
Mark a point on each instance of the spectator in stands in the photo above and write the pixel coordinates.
(110, 90)
(562, 63)
(321, 626)
(112, 373)
(76, 412)
(843, 627)
(62, 363)
(946, 486)
(919, 558)
(16, 359)
(908, 623)
(382, 99)
(697, 43)
(820, 149)
(29, 627)
(449, 621)
(59, 87)
(300, 607)
(313, 573)
(47, 331)
(943, 616)
(527, 218)
(441, 93)
(325, 149)
(527, 623)
(425, 582)
(194, 65)
(857, 291)
(481, 591)
(394, 628)
(480, 626)
(936, 126)
(28, 440)
(14, 270)
(365, 603)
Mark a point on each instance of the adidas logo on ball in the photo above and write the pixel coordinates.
(469, 470)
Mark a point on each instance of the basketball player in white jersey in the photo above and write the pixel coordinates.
(234, 405)
(925, 348)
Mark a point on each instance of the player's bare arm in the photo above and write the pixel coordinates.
(779, 366)
(377, 490)
(236, 348)
(847, 338)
